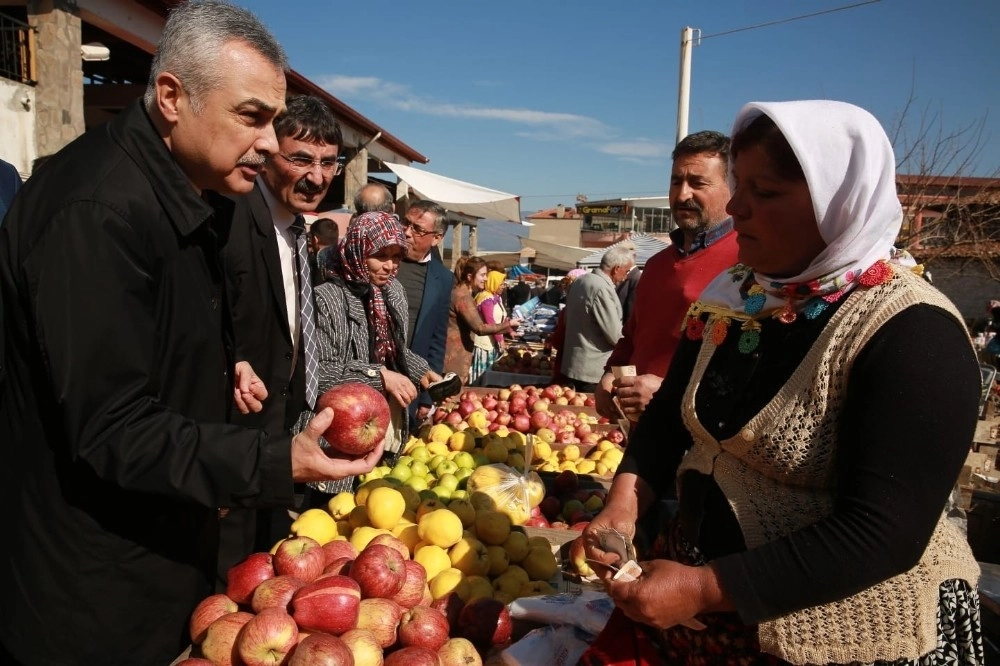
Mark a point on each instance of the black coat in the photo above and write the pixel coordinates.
(114, 447)
(256, 292)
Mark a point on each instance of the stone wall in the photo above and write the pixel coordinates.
(59, 94)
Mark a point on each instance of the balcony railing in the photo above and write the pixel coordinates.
(17, 50)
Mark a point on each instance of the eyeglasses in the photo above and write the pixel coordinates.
(417, 231)
(300, 163)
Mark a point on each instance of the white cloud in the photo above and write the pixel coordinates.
(556, 125)
(533, 124)
(638, 149)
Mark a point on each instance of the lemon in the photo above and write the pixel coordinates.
(385, 506)
(464, 510)
(434, 559)
(479, 587)
(448, 581)
(540, 564)
(517, 546)
(499, 560)
(441, 528)
(361, 495)
(462, 441)
(316, 524)
(358, 517)
(340, 505)
(408, 534)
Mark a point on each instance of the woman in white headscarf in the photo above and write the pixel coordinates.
(814, 420)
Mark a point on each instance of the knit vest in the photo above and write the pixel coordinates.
(779, 475)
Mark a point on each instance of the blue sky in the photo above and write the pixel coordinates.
(549, 99)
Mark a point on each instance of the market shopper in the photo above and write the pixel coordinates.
(816, 416)
(702, 245)
(428, 290)
(268, 287)
(593, 316)
(115, 454)
(361, 319)
(464, 320)
(489, 303)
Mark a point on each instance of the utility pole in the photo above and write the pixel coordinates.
(684, 90)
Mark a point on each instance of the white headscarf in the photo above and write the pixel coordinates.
(850, 169)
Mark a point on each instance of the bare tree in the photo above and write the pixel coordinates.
(950, 213)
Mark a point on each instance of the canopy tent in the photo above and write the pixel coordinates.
(458, 196)
(554, 255)
(645, 245)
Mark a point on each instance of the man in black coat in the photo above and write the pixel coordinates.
(115, 451)
(428, 287)
(263, 283)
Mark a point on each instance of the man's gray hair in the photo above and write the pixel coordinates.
(436, 210)
(192, 42)
(622, 254)
(373, 198)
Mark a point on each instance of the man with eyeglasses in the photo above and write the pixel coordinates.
(265, 287)
(428, 287)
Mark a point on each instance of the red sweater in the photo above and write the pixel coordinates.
(669, 284)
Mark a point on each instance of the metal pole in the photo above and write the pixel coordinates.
(684, 86)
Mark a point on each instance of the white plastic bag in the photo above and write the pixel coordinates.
(558, 646)
(588, 610)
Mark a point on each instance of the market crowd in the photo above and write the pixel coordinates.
(170, 320)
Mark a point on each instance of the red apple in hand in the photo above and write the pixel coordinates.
(243, 578)
(301, 557)
(208, 611)
(267, 638)
(486, 622)
(329, 604)
(459, 652)
(413, 656)
(424, 627)
(379, 571)
(413, 585)
(381, 617)
(275, 592)
(219, 645)
(322, 650)
(360, 417)
(364, 647)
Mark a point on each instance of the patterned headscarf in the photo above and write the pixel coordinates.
(367, 234)
(849, 167)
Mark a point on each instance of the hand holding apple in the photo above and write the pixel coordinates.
(310, 462)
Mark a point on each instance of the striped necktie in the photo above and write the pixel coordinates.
(307, 325)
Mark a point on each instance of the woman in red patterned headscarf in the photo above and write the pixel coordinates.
(361, 317)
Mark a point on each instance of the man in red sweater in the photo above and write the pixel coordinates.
(703, 245)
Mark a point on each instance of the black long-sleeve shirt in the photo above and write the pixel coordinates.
(906, 427)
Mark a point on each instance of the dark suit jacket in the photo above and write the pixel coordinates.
(431, 329)
(10, 183)
(260, 321)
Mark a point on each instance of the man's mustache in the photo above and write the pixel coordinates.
(306, 186)
(689, 205)
(255, 160)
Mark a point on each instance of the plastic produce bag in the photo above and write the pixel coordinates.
(514, 492)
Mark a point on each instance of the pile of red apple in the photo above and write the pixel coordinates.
(526, 409)
(568, 506)
(312, 605)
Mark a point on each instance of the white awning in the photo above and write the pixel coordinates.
(459, 196)
(554, 255)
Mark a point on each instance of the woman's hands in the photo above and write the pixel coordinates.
(668, 593)
(429, 378)
(310, 462)
(611, 518)
(399, 387)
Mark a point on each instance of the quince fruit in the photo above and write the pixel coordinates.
(316, 524)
